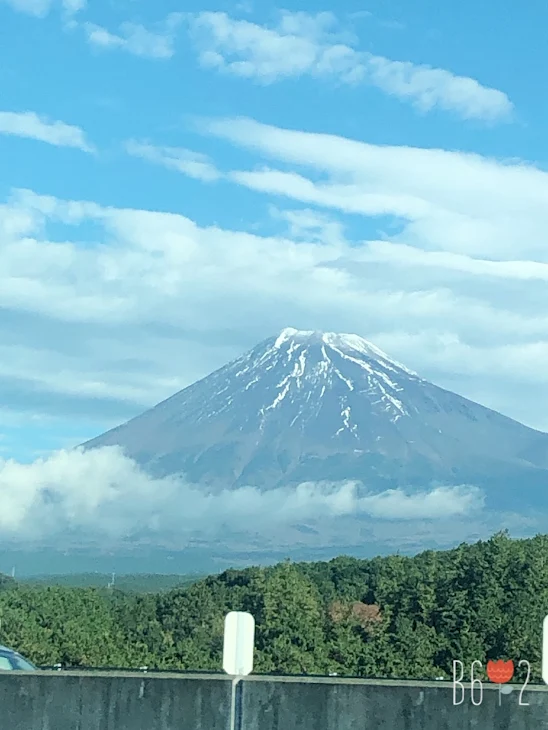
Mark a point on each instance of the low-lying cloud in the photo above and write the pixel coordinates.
(102, 493)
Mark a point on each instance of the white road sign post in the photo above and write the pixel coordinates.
(239, 641)
(545, 650)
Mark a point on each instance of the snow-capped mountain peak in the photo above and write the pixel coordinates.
(309, 372)
(314, 406)
(345, 342)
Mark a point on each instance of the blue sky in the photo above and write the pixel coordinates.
(178, 185)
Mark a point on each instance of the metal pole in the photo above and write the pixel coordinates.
(235, 710)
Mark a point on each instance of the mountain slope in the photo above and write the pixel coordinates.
(310, 406)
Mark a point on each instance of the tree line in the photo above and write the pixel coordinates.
(386, 617)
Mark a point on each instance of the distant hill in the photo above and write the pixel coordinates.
(131, 583)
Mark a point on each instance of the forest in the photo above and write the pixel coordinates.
(386, 617)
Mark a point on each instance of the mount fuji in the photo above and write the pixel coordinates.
(323, 407)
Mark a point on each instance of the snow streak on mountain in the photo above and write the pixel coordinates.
(313, 406)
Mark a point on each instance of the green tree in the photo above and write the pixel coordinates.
(290, 637)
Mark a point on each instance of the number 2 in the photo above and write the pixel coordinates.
(524, 661)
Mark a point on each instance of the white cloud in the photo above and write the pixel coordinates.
(311, 225)
(74, 6)
(404, 256)
(156, 286)
(310, 44)
(192, 164)
(444, 348)
(32, 126)
(136, 39)
(460, 202)
(438, 503)
(41, 8)
(443, 292)
(102, 493)
(38, 8)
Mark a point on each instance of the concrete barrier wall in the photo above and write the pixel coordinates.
(76, 701)
(134, 701)
(324, 704)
